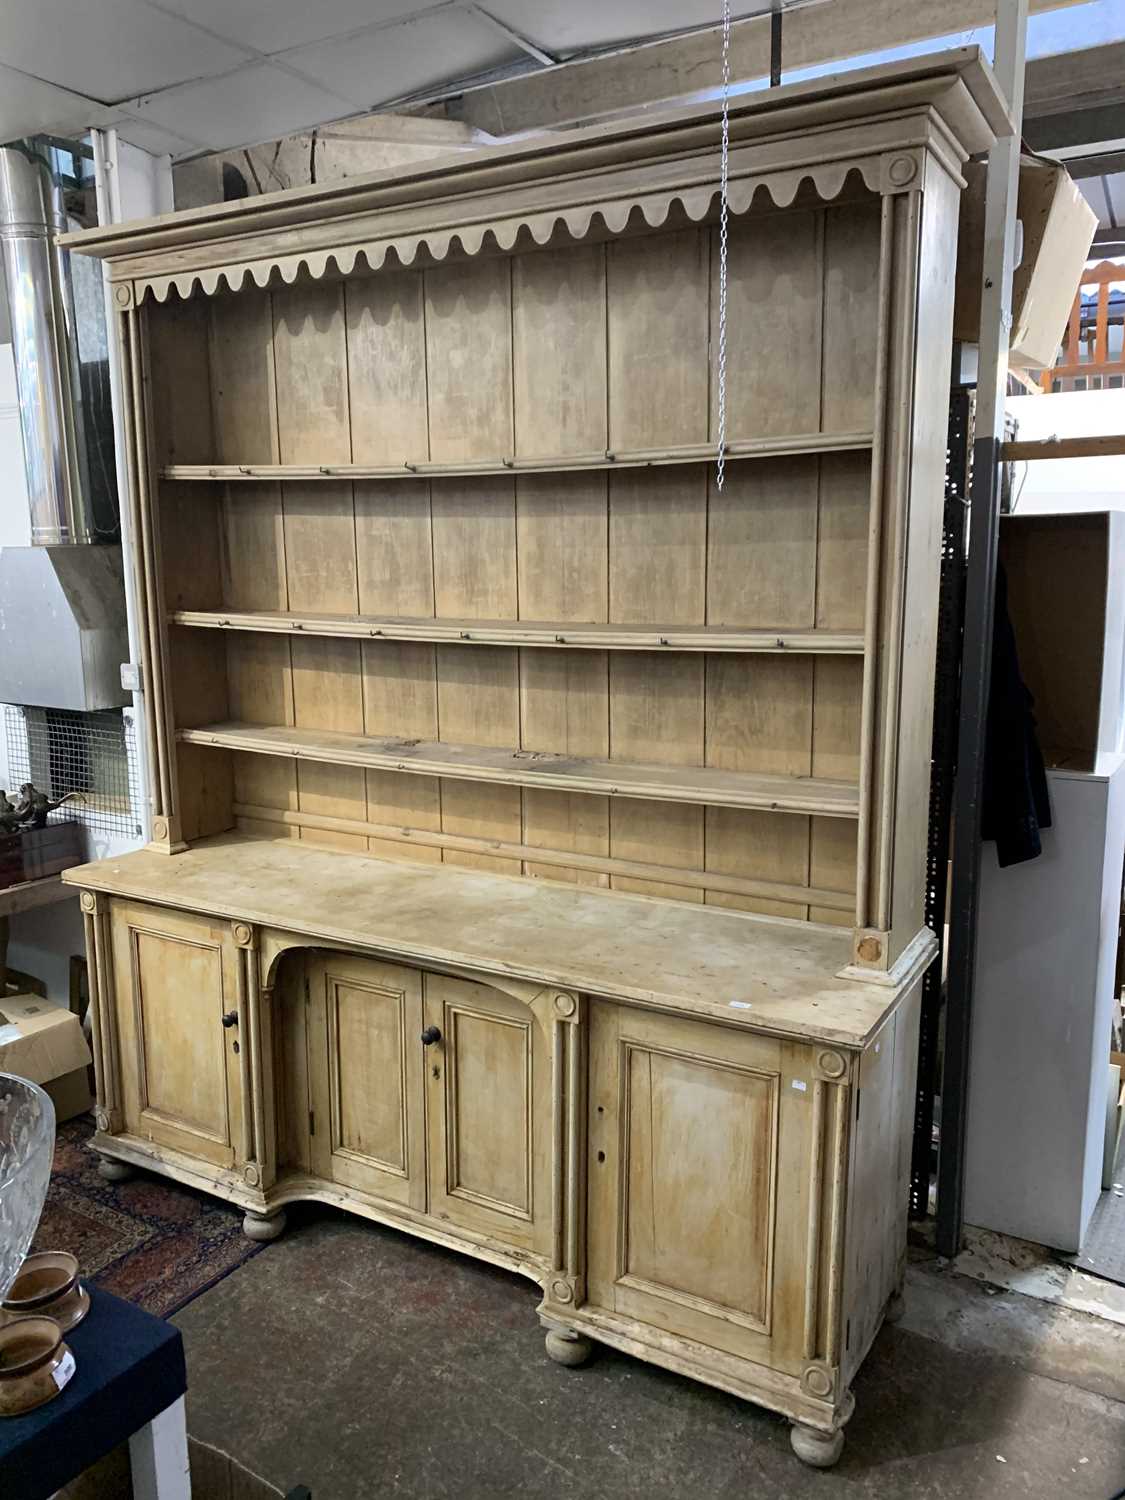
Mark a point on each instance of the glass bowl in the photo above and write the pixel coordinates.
(27, 1145)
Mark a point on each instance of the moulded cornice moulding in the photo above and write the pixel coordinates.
(884, 126)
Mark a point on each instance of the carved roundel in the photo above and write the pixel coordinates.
(160, 829)
(902, 170)
(88, 901)
(565, 1004)
(832, 1065)
(562, 1291)
(242, 933)
(817, 1380)
(123, 296)
(250, 1172)
(101, 1119)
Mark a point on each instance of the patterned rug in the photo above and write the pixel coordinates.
(149, 1240)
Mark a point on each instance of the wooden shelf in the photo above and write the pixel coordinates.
(706, 785)
(639, 458)
(592, 637)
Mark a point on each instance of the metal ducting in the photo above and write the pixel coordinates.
(62, 602)
(62, 627)
(44, 346)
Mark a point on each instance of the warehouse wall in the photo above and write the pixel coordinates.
(43, 941)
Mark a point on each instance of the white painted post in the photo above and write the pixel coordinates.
(158, 1454)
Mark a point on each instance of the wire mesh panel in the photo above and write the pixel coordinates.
(88, 758)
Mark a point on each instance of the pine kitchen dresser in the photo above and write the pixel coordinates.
(539, 830)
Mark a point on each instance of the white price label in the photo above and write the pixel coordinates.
(64, 1370)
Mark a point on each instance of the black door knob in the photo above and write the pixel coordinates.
(430, 1036)
(230, 1019)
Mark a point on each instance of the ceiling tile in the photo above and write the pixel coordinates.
(395, 61)
(109, 49)
(257, 103)
(27, 106)
(273, 25)
(153, 138)
(577, 25)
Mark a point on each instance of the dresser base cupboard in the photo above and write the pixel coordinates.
(715, 1181)
(538, 825)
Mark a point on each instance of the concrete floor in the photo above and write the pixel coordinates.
(364, 1363)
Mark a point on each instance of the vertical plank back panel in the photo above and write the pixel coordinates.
(385, 321)
(310, 354)
(243, 387)
(851, 284)
(311, 361)
(386, 338)
(559, 351)
(658, 296)
(478, 704)
(762, 544)
(328, 694)
(564, 351)
(188, 521)
(244, 399)
(394, 547)
(261, 692)
(469, 359)
(564, 708)
(774, 324)
(563, 562)
(400, 697)
(562, 547)
(658, 545)
(657, 715)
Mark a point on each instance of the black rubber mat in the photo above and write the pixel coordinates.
(1103, 1250)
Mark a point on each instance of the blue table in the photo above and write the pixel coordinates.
(129, 1384)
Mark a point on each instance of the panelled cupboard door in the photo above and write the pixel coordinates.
(365, 1076)
(699, 1151)
(488, 1106)
(175, 978)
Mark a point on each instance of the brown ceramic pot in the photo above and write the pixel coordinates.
(47, 1283)
(35, 1364)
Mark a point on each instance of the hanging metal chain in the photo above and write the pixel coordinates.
(724, 167)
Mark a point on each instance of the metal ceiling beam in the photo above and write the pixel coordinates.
(1097, 126)
(1101, 164)
(642, 75)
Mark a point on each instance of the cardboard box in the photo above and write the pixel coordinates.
(46, 1044)
(1058, 230)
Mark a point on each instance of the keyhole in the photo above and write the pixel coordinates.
(437, 1072)
(601, 1156)
(235, 1046)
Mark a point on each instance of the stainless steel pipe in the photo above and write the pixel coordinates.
(44, 346)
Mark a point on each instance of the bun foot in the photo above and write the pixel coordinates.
(263, 1227)
(568, 1348)
(896, 1307)
(820, 1450)
(115, 1171)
